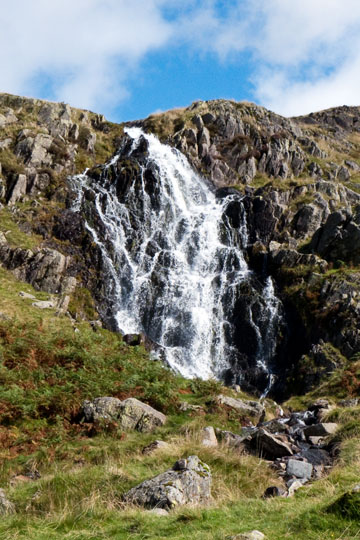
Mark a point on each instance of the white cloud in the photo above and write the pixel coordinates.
(305, 53)
(85, 49)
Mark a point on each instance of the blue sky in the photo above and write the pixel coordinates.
(129, 59)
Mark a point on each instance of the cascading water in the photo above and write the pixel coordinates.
(174, 263)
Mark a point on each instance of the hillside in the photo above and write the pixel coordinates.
(295, 185)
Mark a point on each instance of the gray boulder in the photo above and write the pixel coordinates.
(300, 469)
(321, 430)
(208, 437)
(248, 408)
(130, 414)
(188, 482)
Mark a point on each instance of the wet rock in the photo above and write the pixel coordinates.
(132, 339)
(154, 446)
(6, 507)
(270, 446)
(208, 437)
(317, 456)
(188, 482)
(321, 430)
(130, 414)
(300, 469)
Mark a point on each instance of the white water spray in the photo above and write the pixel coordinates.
(173, 262)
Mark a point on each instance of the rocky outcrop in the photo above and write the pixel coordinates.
(45, 269)
(128, 414)
(188, 482)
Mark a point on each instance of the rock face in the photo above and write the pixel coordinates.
(45, 269)
(188, 482)
(301, 212)
(128, 414)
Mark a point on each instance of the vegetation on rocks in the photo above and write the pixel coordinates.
(65, 477)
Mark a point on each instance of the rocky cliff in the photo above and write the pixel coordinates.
(300, 181)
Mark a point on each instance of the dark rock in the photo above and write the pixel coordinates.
(274, 491)
(270, 446)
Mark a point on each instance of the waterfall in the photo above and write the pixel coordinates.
(173, 259)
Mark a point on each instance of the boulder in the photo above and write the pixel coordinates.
(248, 408)
(188, 482)
(128, 414)
(270, 446)
(208, 437)
(103, 408)
(137, 415)
(300, 469)
(320, 430)
(154, 446)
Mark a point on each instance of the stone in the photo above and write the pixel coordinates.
(251, 535)
(154, 446)
(208, 437)
(270, 446)
(140, 416)
(317, 456)
(295, 485)
(274, 491)
(300, 469)
(17, 190)
(320, 430)
(315, 440)
(343, 174)
(6, 507)
(159, 512)
(27, 295)
(185, 406)
(132, 339)
(130, 414)
(44, 304)
(186, 483)
(248, 408)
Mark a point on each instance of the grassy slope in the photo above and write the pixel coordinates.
(48, 368)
